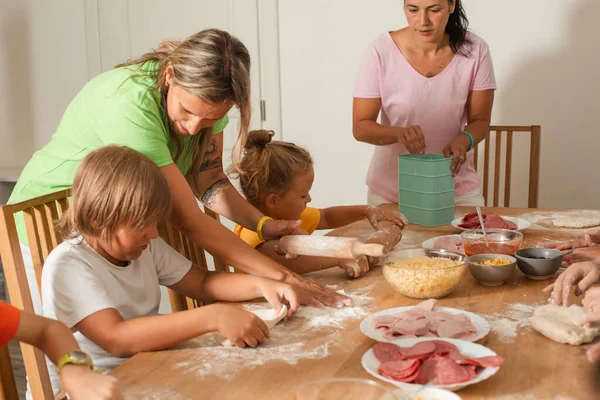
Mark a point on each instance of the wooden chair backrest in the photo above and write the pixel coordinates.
(192, 252)
(534, 163)
(40, 215)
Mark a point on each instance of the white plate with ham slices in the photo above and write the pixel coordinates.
(416, 366)
(519, 222)
(479, 326)
(451, 243)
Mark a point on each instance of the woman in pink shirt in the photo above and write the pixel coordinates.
(433, 83)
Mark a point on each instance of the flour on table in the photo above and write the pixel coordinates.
(307, 335)
(130, 393)
(561, 324)
(507, 324)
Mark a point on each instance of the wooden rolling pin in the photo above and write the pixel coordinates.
(328, 246)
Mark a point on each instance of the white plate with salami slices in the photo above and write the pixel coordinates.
(367, 328)
(467, 349)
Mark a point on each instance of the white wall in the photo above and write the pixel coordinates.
(42, 66)
(546, 58)
(545, 54)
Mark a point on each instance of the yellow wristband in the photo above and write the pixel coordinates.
(259, 227)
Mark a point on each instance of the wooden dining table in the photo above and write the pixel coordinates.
(535, 367)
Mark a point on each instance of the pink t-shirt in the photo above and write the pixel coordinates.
(436, 104)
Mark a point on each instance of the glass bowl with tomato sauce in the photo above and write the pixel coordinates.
(500, 241)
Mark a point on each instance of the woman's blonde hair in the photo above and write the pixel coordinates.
(269, 166)
(213, 65)
(115, 187)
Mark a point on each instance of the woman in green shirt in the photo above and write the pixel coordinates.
(171, 105)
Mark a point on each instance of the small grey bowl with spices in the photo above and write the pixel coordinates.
(491, 269)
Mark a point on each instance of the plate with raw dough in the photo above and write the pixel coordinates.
(366, 326)
(576, 222)
(520, 222)
(451, 243)
(467, 349)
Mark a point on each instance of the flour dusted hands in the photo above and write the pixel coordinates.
(582, 275)
(244, 328)
(413, 139)
(241, 327)
(377, 215)
(278, 294)
(354, 268)
(82, 384)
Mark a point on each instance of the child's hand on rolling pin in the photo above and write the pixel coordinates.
(378, 215)
(289, 256)
(389, 237)
(354, 267)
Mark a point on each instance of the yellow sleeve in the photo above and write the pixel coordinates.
(248, 236)
(311, 217)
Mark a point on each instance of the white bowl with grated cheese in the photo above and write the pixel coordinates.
(424, 274)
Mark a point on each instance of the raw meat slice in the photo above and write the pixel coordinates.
(484, 362)
(391, 352)
(384, 321)
(490, 220)
(454, 328)
(453, 244)
(443, 348)
(419, 350)
(422, 320)
(442, 371)
(417, 327)
(427, 305)
(410, 378)
(387, 352)
(398, 369)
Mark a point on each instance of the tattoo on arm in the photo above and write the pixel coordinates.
(212, 148)
(209, 196)
(211, 164)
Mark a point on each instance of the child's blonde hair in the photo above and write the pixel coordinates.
(270, 167)
(115, 187)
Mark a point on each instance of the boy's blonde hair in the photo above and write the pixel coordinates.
(270, 167)
(115, 187)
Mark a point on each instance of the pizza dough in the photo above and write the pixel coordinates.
(561, 324)
(268, 315)
(579, 222)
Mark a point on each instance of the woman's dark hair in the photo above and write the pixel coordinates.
(457, 29)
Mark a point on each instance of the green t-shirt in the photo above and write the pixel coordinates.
(116, 107)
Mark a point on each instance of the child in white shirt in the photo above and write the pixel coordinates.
(104, 280)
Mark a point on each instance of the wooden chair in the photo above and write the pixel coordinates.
(8, 386)
(534, 163)
(192, 252)
(40, 214)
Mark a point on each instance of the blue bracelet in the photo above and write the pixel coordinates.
(471, 140)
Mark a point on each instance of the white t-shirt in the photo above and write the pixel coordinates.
(77, 282)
